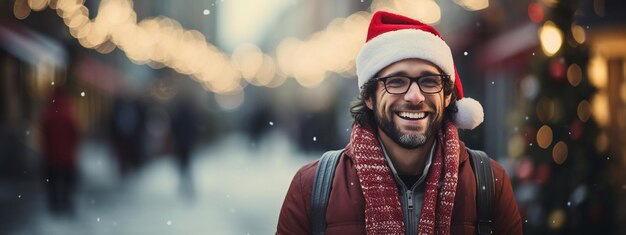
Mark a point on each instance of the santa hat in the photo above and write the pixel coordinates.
(391, 38)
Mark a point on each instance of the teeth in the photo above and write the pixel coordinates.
(412, 115)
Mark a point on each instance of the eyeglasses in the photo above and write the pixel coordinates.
(399, 84)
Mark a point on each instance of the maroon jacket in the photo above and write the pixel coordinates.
(346, 205)
(60, 134)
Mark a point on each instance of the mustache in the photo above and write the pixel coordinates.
(408, 107)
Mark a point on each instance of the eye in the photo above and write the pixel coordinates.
(397, 81)
(430, 81)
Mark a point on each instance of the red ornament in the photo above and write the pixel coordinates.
(529, 134)
(542, 175)
(576, 130)
(525, 168)
(557, 69)
(535, 12)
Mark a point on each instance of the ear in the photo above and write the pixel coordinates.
(368, 103)
(447, 100)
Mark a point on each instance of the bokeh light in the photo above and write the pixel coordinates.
(574, 74)
(584, 110)
(559, 152)
(545, 109)
(597, 71)
(544, 136)
(578, 33)
(551, 38)
(600, 108)
(473, 5)
(556, 219)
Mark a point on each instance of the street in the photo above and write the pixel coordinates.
(235, 188)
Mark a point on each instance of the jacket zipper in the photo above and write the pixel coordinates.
(409, 198)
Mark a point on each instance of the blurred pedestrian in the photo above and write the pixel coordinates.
(184, 130)
(127, 122)
(405, 171)
(60, 137)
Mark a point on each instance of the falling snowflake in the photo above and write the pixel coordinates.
(569, 203)
(27, 132)
(169, 222)
(47, 180)
(608, 158)
(206, 12)
(52, 83)
(271, 123)
(484, 188)
(525, 221)
(352, 183)
(98, 219)
(347, 129)
(526, 118)
(82, 93)
(19, 196)
(93, 201)
(533, 53)
(465, 53)
(314, 138)
(492, 82)
(531, 144)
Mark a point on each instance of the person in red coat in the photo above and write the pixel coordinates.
(404, 171)
(60, 139)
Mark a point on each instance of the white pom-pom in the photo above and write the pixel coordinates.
(470, 113)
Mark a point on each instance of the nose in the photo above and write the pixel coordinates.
(414, 94)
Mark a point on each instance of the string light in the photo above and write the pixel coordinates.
(163, 42)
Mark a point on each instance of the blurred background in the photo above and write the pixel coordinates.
(191, 117)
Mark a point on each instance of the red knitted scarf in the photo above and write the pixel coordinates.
(383, 213)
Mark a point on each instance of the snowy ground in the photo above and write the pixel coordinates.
(238, 190)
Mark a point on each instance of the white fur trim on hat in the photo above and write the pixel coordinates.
(470, 114)
(393, 46)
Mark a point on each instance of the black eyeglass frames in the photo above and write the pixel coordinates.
(399, 84)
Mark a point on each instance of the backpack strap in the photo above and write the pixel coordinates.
(321, 189)
(485, 190)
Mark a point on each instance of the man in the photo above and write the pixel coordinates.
(404, 171)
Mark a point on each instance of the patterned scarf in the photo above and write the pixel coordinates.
(383, 212)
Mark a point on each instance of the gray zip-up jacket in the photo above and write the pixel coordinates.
(411, 196)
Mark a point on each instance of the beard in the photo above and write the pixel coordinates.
(406, 140)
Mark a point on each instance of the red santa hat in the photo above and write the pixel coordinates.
(391, 38)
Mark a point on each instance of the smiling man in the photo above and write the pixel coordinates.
(405, 171)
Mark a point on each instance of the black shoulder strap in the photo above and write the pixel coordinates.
(321, 189)
(485, 190)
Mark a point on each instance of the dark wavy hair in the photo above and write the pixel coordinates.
(365, 116)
